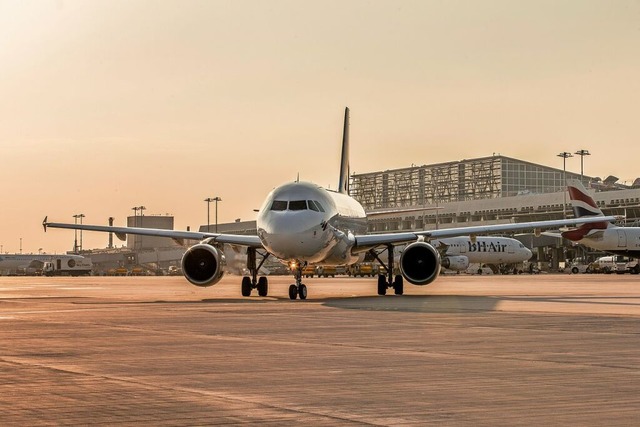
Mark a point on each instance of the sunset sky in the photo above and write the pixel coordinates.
(106, 104)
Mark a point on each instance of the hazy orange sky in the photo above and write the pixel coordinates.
(106, 105)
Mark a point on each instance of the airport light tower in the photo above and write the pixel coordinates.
(209, 200)
(75, 233)
(81, 216)
(582, 153)
(564, 156)
(135, 216)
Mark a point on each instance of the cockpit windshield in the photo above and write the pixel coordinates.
(296, 205)
(279, 205)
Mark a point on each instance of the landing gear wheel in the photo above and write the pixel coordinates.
(263, 286)
(246, 286)
(293, 292)
(398, 285)
(382, 284)
(302, 291)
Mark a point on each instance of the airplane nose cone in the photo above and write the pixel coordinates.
(290, 235)
(528, 252)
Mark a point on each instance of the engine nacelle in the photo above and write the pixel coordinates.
(202, 265)
(420, 263)
(456, 262)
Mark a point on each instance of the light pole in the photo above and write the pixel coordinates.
(75, 234)
(209, 200)
(217, 199)
(135, 216)
(135, 223)
(582, 153)
(564, 156)
(80, 216)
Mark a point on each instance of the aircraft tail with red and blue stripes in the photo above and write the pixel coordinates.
(583, 205)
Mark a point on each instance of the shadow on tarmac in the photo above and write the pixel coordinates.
(417, 303)
(405, 303)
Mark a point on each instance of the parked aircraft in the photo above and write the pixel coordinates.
(301, 223)
(458, 252)
(602, 235)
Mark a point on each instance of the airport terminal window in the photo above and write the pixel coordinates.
(279, 205)
(297, 205)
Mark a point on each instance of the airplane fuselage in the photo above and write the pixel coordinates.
(616, 240)
(302, 222)
(489, 250)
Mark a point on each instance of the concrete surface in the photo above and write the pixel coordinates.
(494, 350)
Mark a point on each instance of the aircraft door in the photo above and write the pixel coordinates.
(58, 264)
(622, 238)
(511, 248)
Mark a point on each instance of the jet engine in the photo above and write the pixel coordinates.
(420, 263)
(202, 265)
(456, 262)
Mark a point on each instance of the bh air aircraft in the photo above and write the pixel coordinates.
(301, 223)
(602, 235)
(457, 253)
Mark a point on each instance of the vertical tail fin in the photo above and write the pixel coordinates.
(343, 183)
(583, 205)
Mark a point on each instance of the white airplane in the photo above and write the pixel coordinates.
(301, 223)
(458, 252)
(12, 263)
(601, 235)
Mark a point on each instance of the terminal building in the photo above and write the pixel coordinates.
(488, 190)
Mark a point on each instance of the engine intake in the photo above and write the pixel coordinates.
(420, 263)
(202, 265)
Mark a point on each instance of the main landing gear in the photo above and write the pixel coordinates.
(298, 289)
(253, 282)
(388, 281)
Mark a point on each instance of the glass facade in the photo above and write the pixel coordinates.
(483, 178)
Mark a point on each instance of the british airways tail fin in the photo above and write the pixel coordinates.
(583, 205)
(343, 183)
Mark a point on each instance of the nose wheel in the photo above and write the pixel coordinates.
(298, 289)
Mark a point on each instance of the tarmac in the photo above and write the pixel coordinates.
(463, 351)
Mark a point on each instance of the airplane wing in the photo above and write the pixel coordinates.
(121, 232)
(366, 242)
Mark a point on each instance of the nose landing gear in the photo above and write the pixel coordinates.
(298, 289)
